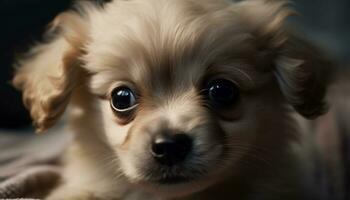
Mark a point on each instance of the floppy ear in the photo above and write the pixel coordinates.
(52, 70)
(302, 71)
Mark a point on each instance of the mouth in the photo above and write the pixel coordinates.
(175, 176)
(173, 187)
(174, 180)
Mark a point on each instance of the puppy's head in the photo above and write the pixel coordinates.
(188, 90)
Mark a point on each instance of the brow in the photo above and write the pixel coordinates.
(238, 72)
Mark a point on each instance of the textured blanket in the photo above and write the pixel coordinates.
(29, 163)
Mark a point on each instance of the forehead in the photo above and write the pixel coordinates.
(166, 42)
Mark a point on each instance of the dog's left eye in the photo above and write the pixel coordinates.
(222, 93)
(123, 99)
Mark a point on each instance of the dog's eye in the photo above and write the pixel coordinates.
(222, 93)
(123, 99)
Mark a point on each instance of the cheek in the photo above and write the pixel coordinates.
(246, 128)
(242, 130)
(116, 134)
(241, 135)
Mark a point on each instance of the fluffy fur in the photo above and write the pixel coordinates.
(167, 50)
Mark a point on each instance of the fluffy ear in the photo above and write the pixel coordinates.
(302, 71)
(51, 71)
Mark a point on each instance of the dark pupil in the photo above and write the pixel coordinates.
(223, 92)
(122, 98)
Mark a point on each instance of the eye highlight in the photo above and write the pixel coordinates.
(123, 99)
(222, 93)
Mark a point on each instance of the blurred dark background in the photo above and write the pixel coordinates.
(327, 22)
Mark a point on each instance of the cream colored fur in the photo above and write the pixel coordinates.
(165, 49)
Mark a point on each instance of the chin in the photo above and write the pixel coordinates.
(178, 187)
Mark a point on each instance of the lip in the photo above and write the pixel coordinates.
(173, 180)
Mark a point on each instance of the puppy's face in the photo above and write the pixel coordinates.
(190, 92)
(183, 94)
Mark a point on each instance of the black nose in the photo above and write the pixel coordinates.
(171, 150)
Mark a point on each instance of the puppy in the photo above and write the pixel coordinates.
(180, 99)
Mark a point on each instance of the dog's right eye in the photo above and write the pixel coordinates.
(123, 99)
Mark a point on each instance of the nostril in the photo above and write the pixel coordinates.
(170, 150)
(161, 147)
(184, 143)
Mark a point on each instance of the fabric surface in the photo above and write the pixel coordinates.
(29, 163)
